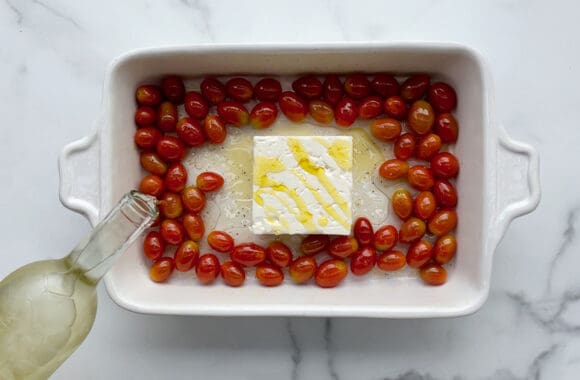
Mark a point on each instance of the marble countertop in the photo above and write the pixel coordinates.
(53, 55)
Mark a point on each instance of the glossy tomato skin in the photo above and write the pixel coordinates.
(363, 231)
(425, 205)
(446, 128)
(443, 97)
(215, 129)
(213, 90)
(161, 269)
(332, 89)
(167, 117)
(209, 181)
(240, 89)
(433, 274)
(190, 131)
(404, 147)
(147, 137)
(445, 193)
(145, 115)
(412, 230)
(419, 253)
(186, 256)
(248, 254)
(152, 185)
(176, 177)
(269, 275)
(386, 129)
(343, 246)
(195, 105)
(220, 241)
(170, 149)
(308, 87)
(445, 165)
(173, 88)
(232, 112)
(279, 254)
(153, 245)
(154, 164)
(302, 269)
(428, 146)
(370, 107)
(420, 177)
(193, 199)
(444, 249)
(357, 86)
(268, 90)
(363, 261)
(194, 226)
(263, 115)
(421, 117)
(233, 274)
(345, 112)
(313, 244)
(171, 232)
(402, 202)
(293, 106)
(170, 205)
(391, 261)
(330, 273)
(443, 222)
(393, 169)
(321, 111)
(415, 87)
(385, 238)
(148, 95)
(207, 268)
(385, 85)
(395, 107)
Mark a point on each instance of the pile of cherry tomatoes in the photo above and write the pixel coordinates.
(421, 107)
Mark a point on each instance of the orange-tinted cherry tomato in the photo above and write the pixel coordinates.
(321, 111)
(279, 254)
(240, 89)
(207, 268)
(391, 261)
(193, 199)
(170, 149)
(153, 163)
(152, 185)
(419, 253)
(445, 193)
(385, 85)
(269, 275)
(357, 86)
(402, 204)
(170, 205)
(171, 231)
(444, 249)
(444, 165)
(215, 129)
(209, 181)
(446, 128)
(393, 169)
(308, 87)
(345, 112)
(343, 246)
(167, 116)
(248, 254)
(411, 230)
(313, 244)
(385, 238)
(433, 274)
(186, 255)
(404, 147)
(195, 105)
(234, 113)
(268, 90)
(220, 241)
(263, 115)
(442, 96)
(293, 106)
(176, 177)
(190, 131)
(148, 95)
(363, 261)
(145, 115)
(443, 222)
(153, 245)
(194, 226)
(363, 231)
(370, 107)
(233, 274)
(421, 117)
(302, 269)
(161, 269)
(147, 137)
(428, 146)
(425, 205)
(333, 89)
(213, 90)
(415, 87)
(330, 273)
(385, 129)
(173, 88)
(420, 177)
(395, 107)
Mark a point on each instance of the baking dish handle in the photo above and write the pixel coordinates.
(518, 190)
(79, 177)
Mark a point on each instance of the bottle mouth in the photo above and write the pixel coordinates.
(140, 207)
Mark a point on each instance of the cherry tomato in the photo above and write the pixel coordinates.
(415, 87)
(443, 222)
(190, 131)
(343, 246)
(444, 165)
(385, 238)
(370, 107)
(321, 111)
(363, 261)
(345, 112)
(433, 274)
(207, 268)
(233, 274)
(209, 181)
(173, 88)
(445, 193)
(313, 244)
(171, 232)
(446, 128)
(411, 230)
(145, 115)
(233, 113)
(279, 254)
(176, 177)
(420, 177)
(333, 89)
(425, 205)
(148, 95)
(428, 146)
(147, 137)
(194, 226)
(153, 163)
(442, 96)
(404, 147)
(170, 206)
(419, 253)
(357, 86)
(167, 116)
(248, 254)
(170, 149)
(293, 106)
(269, 275)
(213, 90)
(263, 115)
(240, 89)
(385, 85)
(153, 245)
(395, 107)
(308, 87)
(193, 199)
(330, 273)
(215, 129)
(268, 90)
(421, 117)
(186, 255)
(391, 261)
(363, 231)
(385, 129)
(195, 105)
(152, 185)
(220, 241)
(444, 249)
(302, 269)
(402, 204)
(161, 269)
(393, 169)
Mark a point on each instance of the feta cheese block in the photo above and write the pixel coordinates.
(302, 185)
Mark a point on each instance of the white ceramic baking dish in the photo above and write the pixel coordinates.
(498, 181)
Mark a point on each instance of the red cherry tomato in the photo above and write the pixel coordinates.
(268, 90)
(148, 95)
(234, 113)
(433, 274)
(190, 131)
(173, 88)
(363, 231)
(308, 87)
(293, 106)
(151, 162)
(170, 149)
(415, 87)
(207, 268)
(233, 274)
(170, 206)
(152, 185)
(263, 115)
(363, 261)
(343, 246)
(385, 129)
(147, 137)
(209, 181)
(321, 111)
(404, 147)
(220, 241)
(444, 165)
(385, 238)
(395, 107)
(145, 115)
(443, 222)
(176, 178)
(425, 205)
(269, 275)
(421, 117)
(385, 85)
(330, 273)
(215, 129)
(428, 146)
(391, 261)
(442, 96)
(420, 177)
(445, 193)
(313, 244)
(402, 204)
(194, 226)
(167, 116)
(357, 86)
(412, 230)
(446, 128)
(195, 105)
(193, 199)
(248, 254)
(345, 112)
(419, 253)
(302, 269)
(279, 254)
(393, 169)
(161, 269)
(153, 245)
(186, 255)
(370, 107)
(444, 249)
(240, 89)
(213, 90)
(171, 231)
(333, 89)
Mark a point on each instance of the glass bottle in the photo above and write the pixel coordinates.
(47, 308)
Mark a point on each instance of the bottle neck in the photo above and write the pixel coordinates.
(97, 252)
